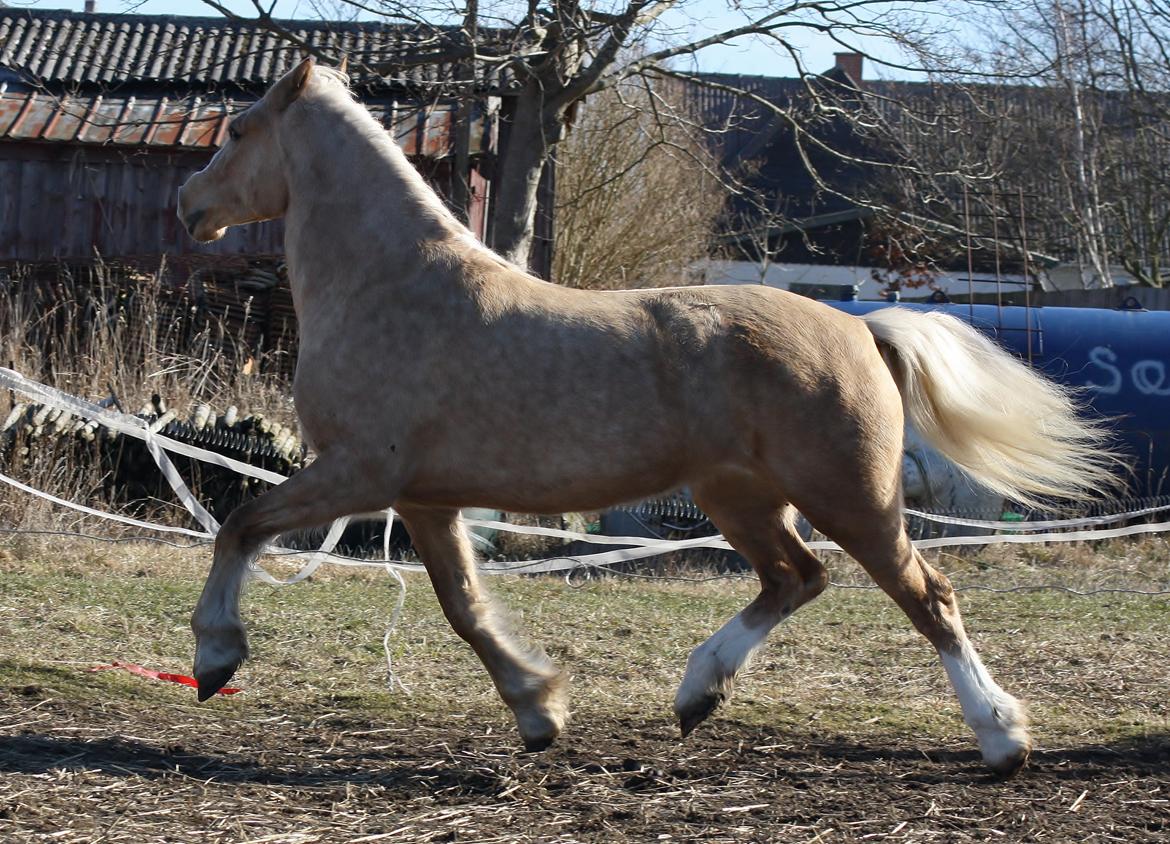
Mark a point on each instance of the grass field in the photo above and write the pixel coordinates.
(844, 729)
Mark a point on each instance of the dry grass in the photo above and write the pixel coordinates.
(637, 202)
(844, 729)
(100, 331)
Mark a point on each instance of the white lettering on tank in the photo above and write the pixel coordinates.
(1106, 359)
(1148, 376)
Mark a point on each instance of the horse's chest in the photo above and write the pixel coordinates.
(347, 403)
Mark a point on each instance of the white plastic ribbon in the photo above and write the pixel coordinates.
(635, 547)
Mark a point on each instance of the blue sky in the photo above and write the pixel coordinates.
(693, 20)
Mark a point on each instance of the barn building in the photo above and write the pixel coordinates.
(875, 219)
(103, 116)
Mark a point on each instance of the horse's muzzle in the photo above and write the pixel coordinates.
(195, 221)
(196, 225)
(191, 221)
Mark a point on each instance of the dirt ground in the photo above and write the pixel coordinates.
(120, 774)
(845, 731)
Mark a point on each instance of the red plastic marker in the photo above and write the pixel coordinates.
(181, 679)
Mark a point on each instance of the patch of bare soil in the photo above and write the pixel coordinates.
(71, 772)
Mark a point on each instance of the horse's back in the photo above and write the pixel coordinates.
(750, 337)
(802, 386)
(718, 350)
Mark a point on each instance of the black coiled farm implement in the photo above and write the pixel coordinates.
(121, 467)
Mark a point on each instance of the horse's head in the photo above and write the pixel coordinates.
(245, 181)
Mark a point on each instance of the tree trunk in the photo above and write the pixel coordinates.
(1087, 208)
(531, 138)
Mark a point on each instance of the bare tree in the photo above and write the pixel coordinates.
(756, 234)
(1055, 44)
(1071, 115)
(550, 56)
(1136, 40)
(637, 199)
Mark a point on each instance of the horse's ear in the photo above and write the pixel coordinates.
(290, 86)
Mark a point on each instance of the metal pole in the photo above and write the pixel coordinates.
(970, 260)
(998, 275)
(1027, 276)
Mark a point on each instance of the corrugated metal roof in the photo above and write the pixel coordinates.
(61, 46)
(190, 123)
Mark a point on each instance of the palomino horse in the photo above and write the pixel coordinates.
(483, 386)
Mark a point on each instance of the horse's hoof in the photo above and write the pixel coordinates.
(697, 712)
(212, 681)
(219, 652)
(539, 743)
(1006, 746)
(540, 729)
(541, 722)
(1008, 766)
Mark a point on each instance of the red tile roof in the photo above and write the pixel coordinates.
(188, 123)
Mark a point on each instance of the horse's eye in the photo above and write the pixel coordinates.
(233, 133)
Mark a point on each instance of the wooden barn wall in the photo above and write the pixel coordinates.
(66, 202)
(60, 204)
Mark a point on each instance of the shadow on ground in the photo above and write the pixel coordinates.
(646, 754)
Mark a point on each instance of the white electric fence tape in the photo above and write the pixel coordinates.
(113, 517)
(158, 445)
(392, 679)
(1023, 527)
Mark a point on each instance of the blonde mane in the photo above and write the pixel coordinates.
(332, 74)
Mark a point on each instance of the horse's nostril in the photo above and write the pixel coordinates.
(192, 221)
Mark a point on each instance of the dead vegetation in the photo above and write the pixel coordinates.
(121, 335)
(637, 198)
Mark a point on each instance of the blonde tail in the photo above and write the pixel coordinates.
(1007, 426)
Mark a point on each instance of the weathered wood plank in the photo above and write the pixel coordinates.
(10, 185)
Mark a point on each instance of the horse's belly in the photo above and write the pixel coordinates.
(532, 494)
(526, 472)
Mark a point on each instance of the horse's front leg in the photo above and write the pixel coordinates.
(527, 681)
(334, 485)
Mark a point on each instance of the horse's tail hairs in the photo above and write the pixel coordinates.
(1006, 425)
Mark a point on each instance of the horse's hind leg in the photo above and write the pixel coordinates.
(760, 526)
(527, 681)
(879, 542)
(324, 490)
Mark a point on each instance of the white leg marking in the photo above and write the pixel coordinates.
(713, 665)
(221, 642)
(997, 718)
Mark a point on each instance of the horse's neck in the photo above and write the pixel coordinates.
(356, 203)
